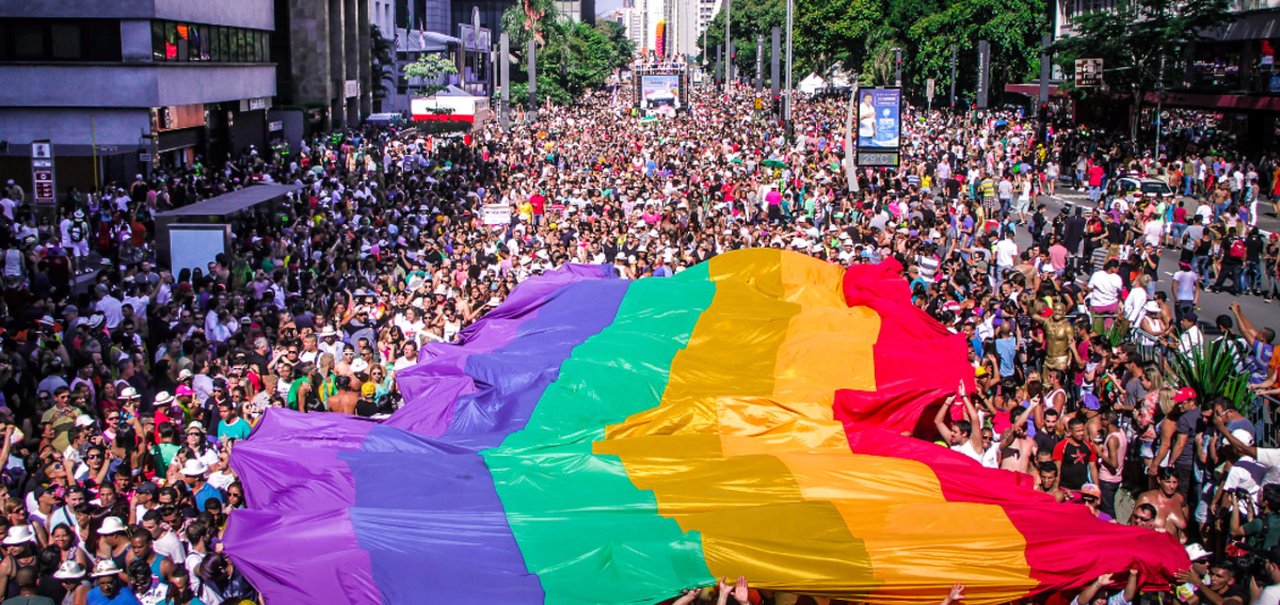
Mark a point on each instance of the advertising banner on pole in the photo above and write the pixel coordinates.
(984, 73)
(879, 124)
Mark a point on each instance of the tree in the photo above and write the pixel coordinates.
(1139, 41)
(430, 71)
(572, 58)
(529, 20)
(861, 35)
(833, 34)
(383, 52)
(1013, 27)
(749, 19)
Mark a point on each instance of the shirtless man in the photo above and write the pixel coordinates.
(1049, 482)
(1171, 508)
(1016, 449)
(344, 401)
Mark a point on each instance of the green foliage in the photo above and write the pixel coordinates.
(383, 53)
(834, 34)
(1013, 27)
(529, 19)
(749, 18)
(1132, 38)
(860, 35)
(573, 58)
(1114, 332)
(1210, 369)
(430, 69)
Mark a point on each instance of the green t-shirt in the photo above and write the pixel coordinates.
(1267, 531)
(238, 430)
(164, 453)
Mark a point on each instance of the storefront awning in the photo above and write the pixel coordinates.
(420, 41)
(1262, 25)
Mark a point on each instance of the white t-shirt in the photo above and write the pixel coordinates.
(989, 458)
(1153, 231)
(1270, 596)
(1104, 288)
(1247, 474)
(1006, 252)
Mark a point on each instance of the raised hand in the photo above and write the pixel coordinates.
(689, 596)
(740, 592)
(957, 593)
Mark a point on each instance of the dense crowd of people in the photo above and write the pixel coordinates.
(126, 387)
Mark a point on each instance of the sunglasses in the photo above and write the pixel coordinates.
(1145, 519)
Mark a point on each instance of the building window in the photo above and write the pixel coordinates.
(175, 42)
(60, 40)
(157, 40)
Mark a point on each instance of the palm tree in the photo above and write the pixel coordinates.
(383, 53)
(528, 20)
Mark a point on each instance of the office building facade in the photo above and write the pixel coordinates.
(143, 83)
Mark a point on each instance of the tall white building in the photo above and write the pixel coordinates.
(633, 20)
(707, 10)
(683, 31)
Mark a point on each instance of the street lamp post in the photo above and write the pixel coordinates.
(1159, 108)
(786, 105)
(728, 45)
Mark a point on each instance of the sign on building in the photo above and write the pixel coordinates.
(43, 188)
(1088, 72)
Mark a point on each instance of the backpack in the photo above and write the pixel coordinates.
(1237, 249)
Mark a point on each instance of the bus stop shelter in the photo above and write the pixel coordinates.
(192, 236)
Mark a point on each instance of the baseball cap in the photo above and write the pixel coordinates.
(1243, 435)
(1090, 489)
(1184, 394)
(1195, 552)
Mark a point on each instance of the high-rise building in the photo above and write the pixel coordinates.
(118, 87)
(583, 11)
(324, 62)
(683, 28)
(707, 10)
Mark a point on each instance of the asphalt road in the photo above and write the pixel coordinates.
(1211, 304)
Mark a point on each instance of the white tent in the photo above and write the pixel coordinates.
(811, 84)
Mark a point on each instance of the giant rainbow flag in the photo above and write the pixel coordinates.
(596, 440)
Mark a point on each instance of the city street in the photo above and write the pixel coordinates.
(1211, 304)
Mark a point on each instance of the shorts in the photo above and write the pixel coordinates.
(79, 249)
(1110, 309)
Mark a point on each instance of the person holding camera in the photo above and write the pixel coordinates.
(1261, 530)
(1264, 588)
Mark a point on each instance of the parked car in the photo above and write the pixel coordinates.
(1149, 188)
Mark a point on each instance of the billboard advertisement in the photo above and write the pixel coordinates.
(879, 118)
(660, 90)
